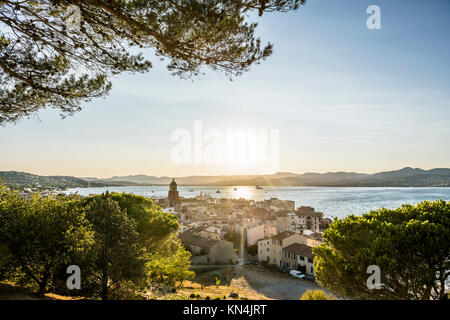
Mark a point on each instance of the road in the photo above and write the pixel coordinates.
(272, 284)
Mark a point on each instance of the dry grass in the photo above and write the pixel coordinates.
(249, 282)
(212, 291)
(204, 285)
(10, 291)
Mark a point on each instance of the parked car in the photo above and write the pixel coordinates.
(296, 274)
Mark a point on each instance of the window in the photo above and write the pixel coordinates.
(310, 260)
(302, 258)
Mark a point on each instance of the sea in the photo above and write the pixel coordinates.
(332, 201)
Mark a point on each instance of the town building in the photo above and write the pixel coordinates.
(298, 256)
(270, 249)
(208, 251)
(311, 218)
(259, 232)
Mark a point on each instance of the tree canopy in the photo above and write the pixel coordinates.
(122, 243)
(59, 53)
(40, 235)
(152, 224)
(116, 254)
(410, 245)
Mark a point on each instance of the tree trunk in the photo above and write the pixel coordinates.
(43, 285)
(105, 286)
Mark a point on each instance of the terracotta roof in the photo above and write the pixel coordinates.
(190, 238)
(282, 235)
(300, 249)
(309, 213)
(315, 236)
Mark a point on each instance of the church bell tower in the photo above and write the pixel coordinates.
(173, 197)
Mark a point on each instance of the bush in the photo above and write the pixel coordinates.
(235, 238)
(192, 296)
(316, 295)
(125, 290)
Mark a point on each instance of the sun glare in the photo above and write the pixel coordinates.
(243, 192)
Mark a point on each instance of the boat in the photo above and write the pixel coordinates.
(235, 189)
(218, 191)
(191, 190)
(258, 187)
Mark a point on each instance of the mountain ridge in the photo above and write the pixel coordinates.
(405, 177)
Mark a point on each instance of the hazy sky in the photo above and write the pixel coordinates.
(343, 97)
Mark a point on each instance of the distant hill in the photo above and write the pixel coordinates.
(406, 177)
(14, 179)
(136, 180)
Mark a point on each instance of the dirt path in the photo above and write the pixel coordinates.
(272, 284)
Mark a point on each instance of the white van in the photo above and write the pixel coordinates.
(297, 274)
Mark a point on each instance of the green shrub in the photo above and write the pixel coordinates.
(316, 295)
